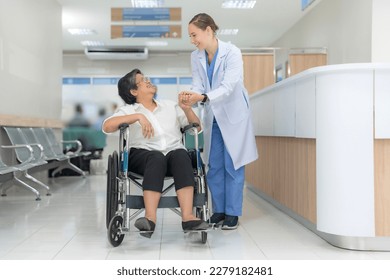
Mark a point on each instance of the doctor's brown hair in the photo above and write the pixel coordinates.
(203, 20)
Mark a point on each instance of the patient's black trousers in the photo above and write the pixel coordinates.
(154, 166)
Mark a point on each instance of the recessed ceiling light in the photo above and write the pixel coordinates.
(238, 4)
(92, 43)
(228, 32)
(147, 3)
(81, 31)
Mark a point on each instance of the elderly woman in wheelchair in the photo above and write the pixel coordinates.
(156, 148)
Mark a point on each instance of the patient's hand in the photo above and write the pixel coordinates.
(147, 128)
(183, 100)
(188, 98)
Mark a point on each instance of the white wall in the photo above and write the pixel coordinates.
(30, 58)
(343, 26)
(381, 31)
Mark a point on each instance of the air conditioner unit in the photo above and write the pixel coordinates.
(116, 53)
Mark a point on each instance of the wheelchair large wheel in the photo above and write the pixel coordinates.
(204, 216)
(114, 231)
(202, 211)
(112, 187)
(205, 182)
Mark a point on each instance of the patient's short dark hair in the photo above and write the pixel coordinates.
(126, 84)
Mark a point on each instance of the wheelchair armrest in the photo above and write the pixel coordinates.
(124, 135)
(189, 126)
(123, 126)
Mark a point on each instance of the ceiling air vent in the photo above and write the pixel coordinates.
(116, 53)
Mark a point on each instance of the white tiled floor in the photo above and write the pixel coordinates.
(70, 225)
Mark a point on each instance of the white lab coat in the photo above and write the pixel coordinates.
(228, 102)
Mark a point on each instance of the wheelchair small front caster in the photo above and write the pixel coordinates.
(115, 235)
(204, 237)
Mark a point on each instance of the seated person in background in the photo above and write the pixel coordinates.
(79, 120)
(156, 147)
(102, 116)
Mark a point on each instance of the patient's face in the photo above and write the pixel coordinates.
(145, 85)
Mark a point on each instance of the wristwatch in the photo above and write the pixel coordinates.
(204, 98)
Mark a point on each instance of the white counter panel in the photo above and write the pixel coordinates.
(255, 111)
(284, 111)
(344, 156)
(263, 114)
(305, 103)
(382, 103)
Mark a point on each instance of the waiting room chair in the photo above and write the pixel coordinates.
(53, 151)
(10, 174)
(25, 157)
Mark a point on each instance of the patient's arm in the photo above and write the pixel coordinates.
(190, 114)
(112, 124)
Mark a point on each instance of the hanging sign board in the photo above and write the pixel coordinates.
(159, 14)
(145, 31)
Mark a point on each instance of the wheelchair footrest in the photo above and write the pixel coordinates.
(137, 201)
(198, 230)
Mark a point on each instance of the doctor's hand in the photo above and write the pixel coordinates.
(189, 98)
(147, 128)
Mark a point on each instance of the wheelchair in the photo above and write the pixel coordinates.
(120, 199)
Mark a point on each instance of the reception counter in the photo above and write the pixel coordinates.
(323, 137)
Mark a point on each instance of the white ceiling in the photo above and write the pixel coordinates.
(258, 27)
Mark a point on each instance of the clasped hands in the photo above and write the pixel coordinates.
(189, 98)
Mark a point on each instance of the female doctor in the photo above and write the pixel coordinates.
(217, 83)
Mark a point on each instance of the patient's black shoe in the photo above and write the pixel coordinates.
(145, 226)
(194, 225)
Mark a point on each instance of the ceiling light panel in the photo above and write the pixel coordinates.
(238, 4)
(156, 43)
(81, 31)
(147, 3)
(228, 32)
(92, 43)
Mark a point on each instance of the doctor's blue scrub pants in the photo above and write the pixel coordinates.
(225, 183)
